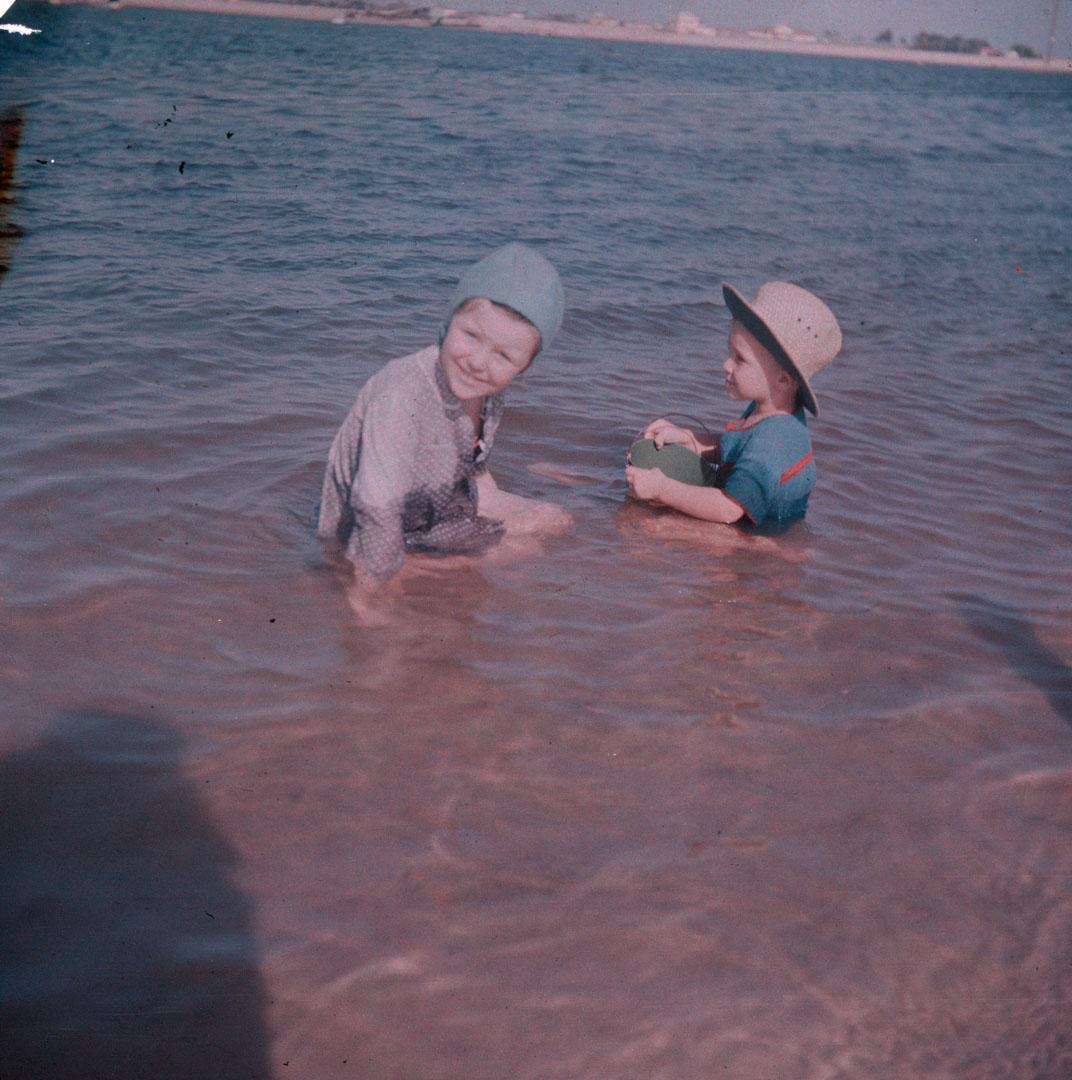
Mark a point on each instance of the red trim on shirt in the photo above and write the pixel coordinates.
(793, 470)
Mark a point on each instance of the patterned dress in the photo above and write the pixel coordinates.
(402, 469)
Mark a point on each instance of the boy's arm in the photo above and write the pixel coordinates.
(706, 503)
(662, 431)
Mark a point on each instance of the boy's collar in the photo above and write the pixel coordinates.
(742, 422)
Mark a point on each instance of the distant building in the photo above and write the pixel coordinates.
(781, 32)
(686, 23)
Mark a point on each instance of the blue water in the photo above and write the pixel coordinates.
(655, 800)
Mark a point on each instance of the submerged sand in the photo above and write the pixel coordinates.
(604, 30)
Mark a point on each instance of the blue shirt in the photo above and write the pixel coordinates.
(767, 468)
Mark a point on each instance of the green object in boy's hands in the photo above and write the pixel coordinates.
(677, 462)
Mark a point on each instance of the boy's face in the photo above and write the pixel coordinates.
(485, 349)
(751, 372)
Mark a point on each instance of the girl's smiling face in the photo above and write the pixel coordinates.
(486, 347)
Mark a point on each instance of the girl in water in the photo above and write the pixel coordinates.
(407, 471)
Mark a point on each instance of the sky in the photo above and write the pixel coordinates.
(1001, 22)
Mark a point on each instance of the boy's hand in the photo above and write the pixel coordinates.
(662, 431)
(644, 484)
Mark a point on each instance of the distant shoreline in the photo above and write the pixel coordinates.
(606, 30)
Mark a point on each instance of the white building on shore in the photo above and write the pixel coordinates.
(781, 32)
(686, 23)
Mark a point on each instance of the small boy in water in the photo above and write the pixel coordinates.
(761, 467)
(407, 470)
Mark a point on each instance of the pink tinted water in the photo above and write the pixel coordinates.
(656, 801)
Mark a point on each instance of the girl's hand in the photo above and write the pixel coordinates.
(644, 484)
(662, 431)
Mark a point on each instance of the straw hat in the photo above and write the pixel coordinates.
(794, 325)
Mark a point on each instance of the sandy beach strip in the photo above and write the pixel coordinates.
(607, 30)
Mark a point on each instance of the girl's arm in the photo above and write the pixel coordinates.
(384, 463)
(706, 503)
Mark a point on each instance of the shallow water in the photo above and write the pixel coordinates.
(663, 800)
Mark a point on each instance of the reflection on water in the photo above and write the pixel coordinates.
(1019, 642)
(127, 948)
(10, 134)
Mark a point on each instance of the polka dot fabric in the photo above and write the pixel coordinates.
(401, 471)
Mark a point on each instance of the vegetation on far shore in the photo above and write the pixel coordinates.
(926, 41)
